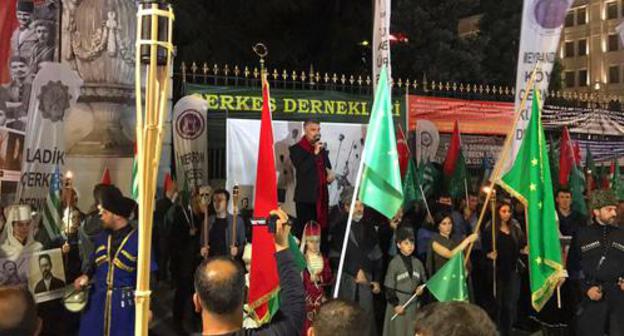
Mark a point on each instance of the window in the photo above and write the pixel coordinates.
(581, 16)
(614, 74)
(569, 19)
(582, 78)
(611, 9)
(582, 47)
(612, 42)
(569, 79)
(569, 49)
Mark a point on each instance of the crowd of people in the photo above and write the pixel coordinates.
(202, 251)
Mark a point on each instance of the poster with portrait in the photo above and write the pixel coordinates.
(14, 272)
(47, 275)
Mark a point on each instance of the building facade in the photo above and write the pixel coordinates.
(591, 50)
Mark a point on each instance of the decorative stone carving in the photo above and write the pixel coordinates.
(99, 43)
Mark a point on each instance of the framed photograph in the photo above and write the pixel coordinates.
(47, 275)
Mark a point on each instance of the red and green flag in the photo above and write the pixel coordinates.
(590, 170)
(570, 174)
(403, 150)
(455, 178)
(616, 180)
(530, 182)
(264, 281)
(381, 186)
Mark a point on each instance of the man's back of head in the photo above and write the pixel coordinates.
(339, 317)
(453, 319)
(18, 313)
(220, 284)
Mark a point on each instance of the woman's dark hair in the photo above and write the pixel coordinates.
(512, 226)
(500, 205)
(439, 217)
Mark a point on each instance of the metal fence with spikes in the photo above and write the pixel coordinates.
(358, 84)
(236, 76)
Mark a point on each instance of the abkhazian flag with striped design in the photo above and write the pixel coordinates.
(52, 209)
(134, 188)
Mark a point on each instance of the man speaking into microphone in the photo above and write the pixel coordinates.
(313, 174)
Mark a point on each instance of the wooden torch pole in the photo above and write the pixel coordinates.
(154, 51)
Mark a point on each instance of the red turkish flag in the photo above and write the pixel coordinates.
(264, 280)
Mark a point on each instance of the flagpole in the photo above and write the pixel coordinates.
(425, 200)
(343, 252)
(493, 223)
(497, 169)
(466, 189)
(408, 302)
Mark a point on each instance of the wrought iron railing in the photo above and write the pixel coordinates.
(227, 75)
(235, 76)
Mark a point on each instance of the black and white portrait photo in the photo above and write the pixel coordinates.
(48, 281)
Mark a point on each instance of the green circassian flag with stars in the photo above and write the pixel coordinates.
(381, 186)
(449, 282)
(530, 182)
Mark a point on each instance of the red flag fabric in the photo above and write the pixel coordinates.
(168, 184)
(402, 150)
(453, 152)
(577, 154)
(566, 158)
(106, 178)
(8, 24)
(264, 281)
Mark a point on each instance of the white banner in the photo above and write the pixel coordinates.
(344, 143)
(54, 92)
(542, 22)
(381, 39)
(189, 141)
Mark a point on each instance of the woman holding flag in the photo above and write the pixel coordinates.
(509, 244)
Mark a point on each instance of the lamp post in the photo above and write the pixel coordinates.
(153, 58)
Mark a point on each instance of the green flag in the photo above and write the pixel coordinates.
(429, 177)
(411, 191)
(457, 184)
(529, 181)
(577, 188)
(185, 194)
(590, 165)
(381, 186)
(449, 282)
(616, 182)
(134, 185)
(554, 162)
(300, 261)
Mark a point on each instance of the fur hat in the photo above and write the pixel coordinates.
(602, 198)
(25, 6)
(114, 201)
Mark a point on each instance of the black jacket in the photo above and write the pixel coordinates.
(305, 173)
(184, 248)
(598, 250)
(363, 250)
(55, 283)
(288, 320)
